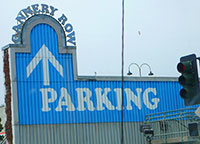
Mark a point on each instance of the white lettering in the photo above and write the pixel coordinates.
(132, 97)
(146, 98)
(84, 98)
(118, 92)
(84, 101)
(46, 100)
(103, 99)
(67, 101)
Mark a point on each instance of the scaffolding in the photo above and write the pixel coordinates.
(174, 126)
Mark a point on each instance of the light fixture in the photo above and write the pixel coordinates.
(139, 68)
(129, 73)
(150, 73)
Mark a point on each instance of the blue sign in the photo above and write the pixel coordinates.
(48, 92)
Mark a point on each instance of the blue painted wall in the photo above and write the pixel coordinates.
(31, 90)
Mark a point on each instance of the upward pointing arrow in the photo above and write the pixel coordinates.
(45, 55)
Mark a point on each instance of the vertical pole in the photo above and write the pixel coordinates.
(122, 87)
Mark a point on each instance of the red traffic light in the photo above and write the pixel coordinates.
(189, 80)
(180, 67)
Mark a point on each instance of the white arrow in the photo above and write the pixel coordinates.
(197, 112)
(45, 55)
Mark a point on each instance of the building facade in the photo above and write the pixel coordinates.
(51, 104)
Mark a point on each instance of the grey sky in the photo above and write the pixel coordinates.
(157, 32)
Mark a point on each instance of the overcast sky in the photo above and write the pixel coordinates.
(157, 32)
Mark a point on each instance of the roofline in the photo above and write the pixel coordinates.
(106, 78)
(126, 78)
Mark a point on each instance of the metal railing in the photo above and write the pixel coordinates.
(172, 126)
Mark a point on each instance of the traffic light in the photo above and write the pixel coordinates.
(189, 80)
